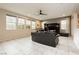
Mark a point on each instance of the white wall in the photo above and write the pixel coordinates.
(75, 30)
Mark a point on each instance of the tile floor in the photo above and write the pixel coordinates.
(25, 46)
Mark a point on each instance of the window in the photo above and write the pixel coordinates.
(21, 23)
(10, 23)
(28, 24)
(63, 24)
(43, 24)
(33, 24)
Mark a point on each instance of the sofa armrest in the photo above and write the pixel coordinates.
(57, 35)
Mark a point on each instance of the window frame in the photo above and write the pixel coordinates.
(10, 22)
(63, 24)
(28, 23)
(20, 25)
(34, 25)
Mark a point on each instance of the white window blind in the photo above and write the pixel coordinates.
(33, 24)
(21, 23)
(10, 23)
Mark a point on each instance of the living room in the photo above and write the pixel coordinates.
(39, 29)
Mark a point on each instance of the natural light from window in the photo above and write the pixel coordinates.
(28, 24)
(33, 24)
(10, 23)
(21, 23)
(63, 24)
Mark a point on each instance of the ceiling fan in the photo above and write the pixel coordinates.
(41, 12)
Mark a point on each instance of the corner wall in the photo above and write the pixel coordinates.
(75, 29)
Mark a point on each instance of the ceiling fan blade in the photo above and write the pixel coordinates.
(41, 13)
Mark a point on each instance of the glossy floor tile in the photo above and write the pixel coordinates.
(25, 46)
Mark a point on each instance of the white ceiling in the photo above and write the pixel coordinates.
(53, 10)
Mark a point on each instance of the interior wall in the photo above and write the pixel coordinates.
(58, 21)
(75, 29)
(11, 34)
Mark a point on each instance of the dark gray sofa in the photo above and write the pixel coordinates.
(46, 38)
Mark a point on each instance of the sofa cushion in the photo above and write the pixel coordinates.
(47, 38)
